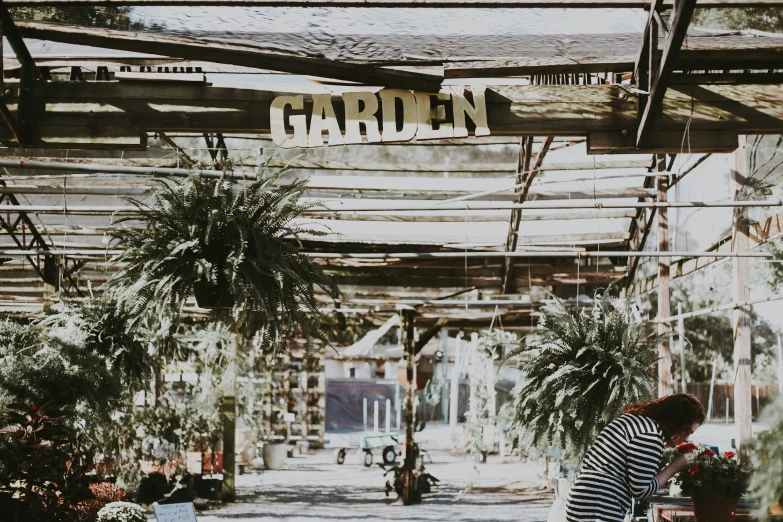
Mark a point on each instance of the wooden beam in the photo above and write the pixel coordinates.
(532, 66)
(683, 12)
(191, 49)
(662, 142)
(664, 299)
(742, 315)
(79, 114)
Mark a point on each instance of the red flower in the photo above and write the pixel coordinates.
(687, 447)
(695, 470)
(707, 451)
(729, 454)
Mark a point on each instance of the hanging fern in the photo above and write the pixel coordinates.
(587, 365)
(235, 241)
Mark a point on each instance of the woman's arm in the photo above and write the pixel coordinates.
(644, 457)
(680, 463)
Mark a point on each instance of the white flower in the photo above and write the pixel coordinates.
(122, 512)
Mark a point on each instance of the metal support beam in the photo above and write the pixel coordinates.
(658, 75)
(523, 164)
(28, 74)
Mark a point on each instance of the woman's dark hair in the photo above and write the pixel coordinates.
(675, 414)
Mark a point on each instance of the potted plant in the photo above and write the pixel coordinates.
(591, 360)
(235, 244)
(714, 483)
(767, 479)
(275, 455)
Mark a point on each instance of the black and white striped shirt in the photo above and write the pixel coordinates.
(622, 463)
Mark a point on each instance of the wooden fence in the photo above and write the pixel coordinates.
(761, 395)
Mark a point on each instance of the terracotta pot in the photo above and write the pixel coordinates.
(707, 508)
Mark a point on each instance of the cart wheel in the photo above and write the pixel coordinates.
(367, 459)
(389, 455)
(241, 469)
(339, 456)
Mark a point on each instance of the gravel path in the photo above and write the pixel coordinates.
(313, 489)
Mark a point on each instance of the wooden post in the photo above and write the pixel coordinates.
(741, 284)
(780, 366)
(409, 495)
(712, 387)
(664, 306)
(229, 414)
(454, 390)
(681, 342)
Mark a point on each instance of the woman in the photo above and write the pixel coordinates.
(625, 458)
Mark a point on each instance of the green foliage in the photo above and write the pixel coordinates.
(81, 355)
(715, 475)
(43, 476)
(767, 480)
(759, 18)
(586, 366)
(239, 241)
(111, 17)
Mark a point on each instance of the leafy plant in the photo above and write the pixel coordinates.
(586, 366)
(712, 474)
(82, 353)
(234, 242)
(43, 475)
(767, 480)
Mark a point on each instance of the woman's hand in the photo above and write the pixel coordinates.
(682, 462)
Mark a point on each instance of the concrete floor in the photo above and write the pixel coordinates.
(312, 489)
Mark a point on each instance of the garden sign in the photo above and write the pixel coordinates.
(404, 116)
(175, 513)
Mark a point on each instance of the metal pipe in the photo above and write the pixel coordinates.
(399, 206)
(322, 206)
(720, 308)
(414, 255)
(114, 169)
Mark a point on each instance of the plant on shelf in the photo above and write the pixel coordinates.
(234, 244)
(767, 480)
(714, 483)
(586, 365)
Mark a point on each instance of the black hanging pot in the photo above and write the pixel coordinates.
(213, 295)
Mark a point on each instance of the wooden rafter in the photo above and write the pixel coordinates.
(191, 49)
(659, 74)
(84, 114)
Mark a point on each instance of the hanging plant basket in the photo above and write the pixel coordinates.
(213, 295)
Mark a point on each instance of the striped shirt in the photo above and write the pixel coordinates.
(622, 463)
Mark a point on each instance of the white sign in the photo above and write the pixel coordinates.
(175, 513)
(289, 417)
(424, 117)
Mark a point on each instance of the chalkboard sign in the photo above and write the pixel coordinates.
(175, 513)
